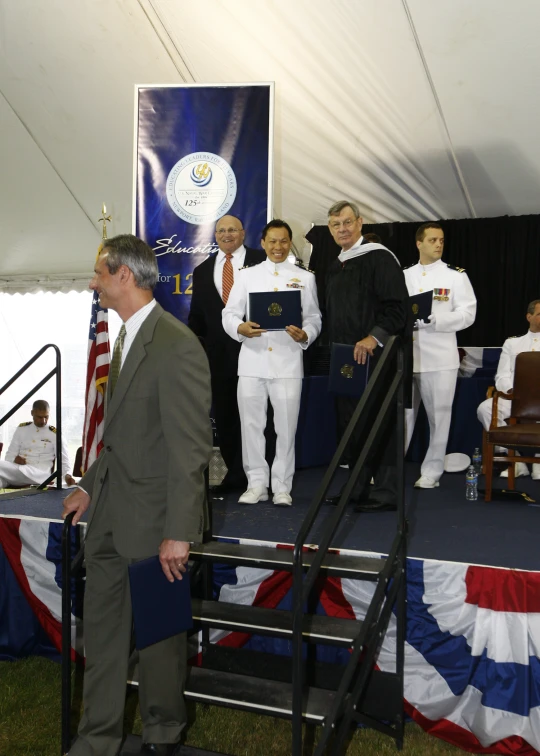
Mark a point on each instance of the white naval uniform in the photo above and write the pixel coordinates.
(270, 367)
(435, 354)
(38, 447)
(504, 380)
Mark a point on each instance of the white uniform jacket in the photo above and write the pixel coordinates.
(274, 354)
(38, 447)
(454, 308)
(530, 342)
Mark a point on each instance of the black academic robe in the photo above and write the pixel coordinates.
(367, 295)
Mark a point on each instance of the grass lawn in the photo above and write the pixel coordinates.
(30, 722)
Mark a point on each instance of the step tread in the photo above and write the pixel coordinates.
(254, 694)
(282, 559)
(265, 621)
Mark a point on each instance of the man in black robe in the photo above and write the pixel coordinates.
(366, 303)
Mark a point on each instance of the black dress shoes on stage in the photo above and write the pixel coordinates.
(160, 749)
(372, 505)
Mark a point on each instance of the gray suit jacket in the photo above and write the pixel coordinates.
(157, 441)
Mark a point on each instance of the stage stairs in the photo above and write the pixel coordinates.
(333, 697)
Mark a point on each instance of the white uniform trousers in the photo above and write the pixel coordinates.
(21, 475)
(485, 411)
(253, 395)
(436, 389)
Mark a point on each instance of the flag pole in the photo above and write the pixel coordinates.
(97, 370)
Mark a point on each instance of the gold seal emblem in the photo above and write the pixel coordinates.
(347, 371)
(275, 309)
(415, 309)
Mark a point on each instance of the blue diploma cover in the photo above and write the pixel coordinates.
(275, 310)
(346, 375)
(420, 305)
(160, 609)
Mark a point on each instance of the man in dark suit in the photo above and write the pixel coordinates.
(212, 281)
(146, 496)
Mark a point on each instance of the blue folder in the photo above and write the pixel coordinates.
(160, 609)
(421, 305)
(275, 310)
(346, 375)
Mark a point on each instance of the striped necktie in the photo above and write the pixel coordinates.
(116, 362)
(228, 277)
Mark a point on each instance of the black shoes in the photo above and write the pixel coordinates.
(372, 505)
(160, 749)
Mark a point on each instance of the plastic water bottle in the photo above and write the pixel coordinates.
(471, 484)
(477, 460)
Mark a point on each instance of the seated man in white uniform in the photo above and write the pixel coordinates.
(32, 452)
(435, 352)
(504, 380)
(270, 366)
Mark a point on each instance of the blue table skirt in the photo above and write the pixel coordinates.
(316, 434)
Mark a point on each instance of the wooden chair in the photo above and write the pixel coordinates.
(523, 426)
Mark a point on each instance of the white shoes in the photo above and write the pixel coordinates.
(536, 472)
(521, 470)
(425, 482)
(253, 495)
(282, 499)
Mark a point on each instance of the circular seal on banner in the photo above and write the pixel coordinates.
(201, 188)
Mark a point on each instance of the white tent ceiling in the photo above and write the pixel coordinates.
(415, 108)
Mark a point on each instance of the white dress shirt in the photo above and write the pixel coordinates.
(133, 325)
(237, 261)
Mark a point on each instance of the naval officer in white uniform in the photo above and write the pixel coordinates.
(435, 352)
(32, 452)
(504, 380)
(270, 365)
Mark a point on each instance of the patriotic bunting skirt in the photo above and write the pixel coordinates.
(472, 669)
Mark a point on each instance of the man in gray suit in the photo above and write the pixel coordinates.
(146, 496)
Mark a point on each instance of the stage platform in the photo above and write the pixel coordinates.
(443, 525)
(472, 666)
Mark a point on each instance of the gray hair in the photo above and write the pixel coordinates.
(532, 306)
(136, 255)
(337, 207)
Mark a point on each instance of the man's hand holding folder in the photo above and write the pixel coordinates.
(173, 556)
(249, 329)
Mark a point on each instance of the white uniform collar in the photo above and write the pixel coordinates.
(276, 267)
(431, 266)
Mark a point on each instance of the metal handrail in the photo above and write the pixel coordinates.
(66, 633)
(57, 370)
(303, 583)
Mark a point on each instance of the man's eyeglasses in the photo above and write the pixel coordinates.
(345, 224)
(221, 231)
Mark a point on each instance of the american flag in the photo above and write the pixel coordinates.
(97, 375)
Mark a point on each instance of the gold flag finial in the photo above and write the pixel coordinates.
(104, 219)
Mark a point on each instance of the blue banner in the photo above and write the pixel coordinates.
(201, 152)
